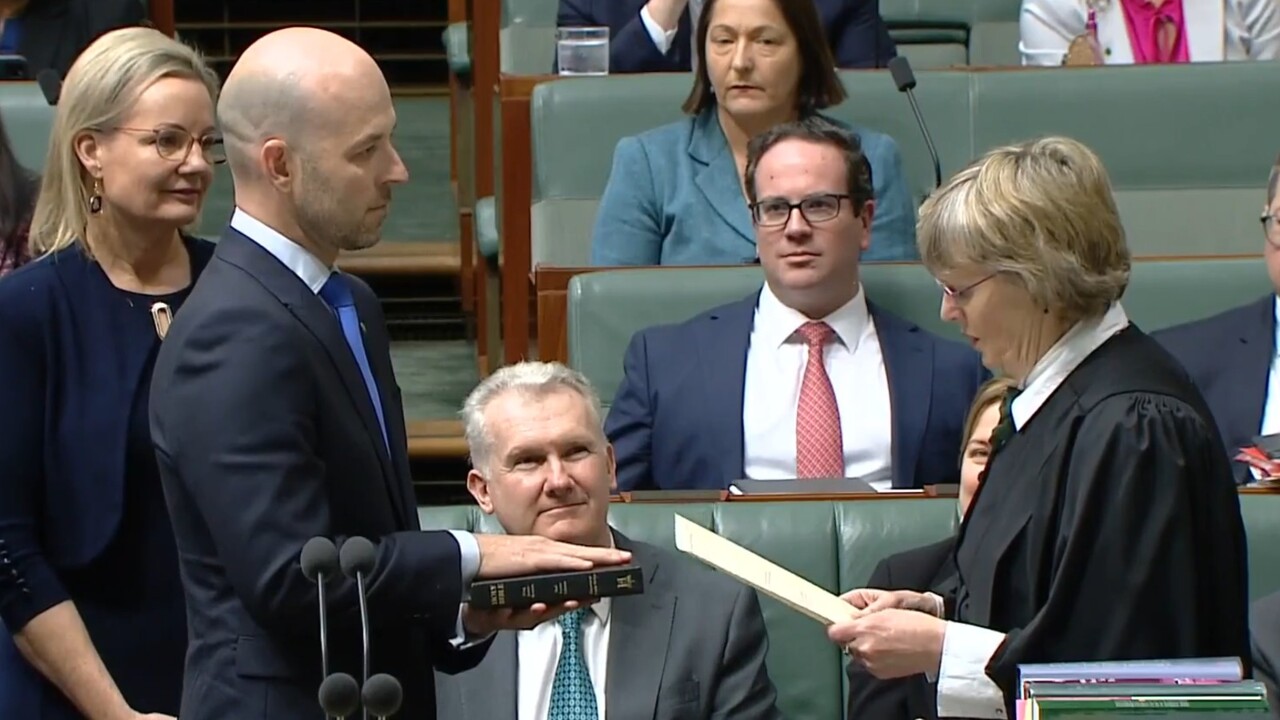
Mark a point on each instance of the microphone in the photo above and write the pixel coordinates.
(50, 84)
(339, 695)
(382, 695)
(905, 79)
(357, 558)
(319, 562)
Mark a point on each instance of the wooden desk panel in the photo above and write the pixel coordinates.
(161, 14)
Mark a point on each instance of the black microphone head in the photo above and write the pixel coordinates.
(903, 77)
(50, 83)
(319, 556)
(382, 695)
(357, 556)
(339, 695)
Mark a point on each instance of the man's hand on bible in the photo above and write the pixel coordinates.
(484, 622)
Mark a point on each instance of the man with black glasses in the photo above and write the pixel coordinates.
(807, 377)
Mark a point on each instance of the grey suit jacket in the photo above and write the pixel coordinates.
(692, 646)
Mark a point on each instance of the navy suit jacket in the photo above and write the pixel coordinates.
(858, 35)
(266, 437)
(68, 380)
(52, 33)
(1228, 357)
(676, 420)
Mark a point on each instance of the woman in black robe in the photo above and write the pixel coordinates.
(1107, 526)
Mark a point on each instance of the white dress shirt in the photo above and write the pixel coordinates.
(964, 690)
(314, 274)
(538, 653)
(662, 39)
(776, 359)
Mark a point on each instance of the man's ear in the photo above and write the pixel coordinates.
(276, 160)
(478, 486)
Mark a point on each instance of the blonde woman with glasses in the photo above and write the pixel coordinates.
(94, 622)
(1107, 525)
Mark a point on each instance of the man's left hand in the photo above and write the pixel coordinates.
(892, 643)
(482, 623)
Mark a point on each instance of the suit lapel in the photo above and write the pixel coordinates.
(909, 368)
(718, 176)
(1250, 368)
(1113, 35)
(639, 630)
(378, 348)
(722, 354)
(488, 692)
(1203, 22)
(320, 320)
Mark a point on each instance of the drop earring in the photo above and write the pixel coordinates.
(95, 200)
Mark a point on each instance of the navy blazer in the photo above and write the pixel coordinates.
(1229, 357)
(52, 33)
(674, 197)
(68, 382)
(266, 436)
(858, 35)
(676, 420)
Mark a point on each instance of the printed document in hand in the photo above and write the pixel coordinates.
(772, 580)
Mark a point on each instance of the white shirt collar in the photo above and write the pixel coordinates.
(778, 323)
(295, 257)
(1062, 359)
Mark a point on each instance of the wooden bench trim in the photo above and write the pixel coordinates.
(404, 258)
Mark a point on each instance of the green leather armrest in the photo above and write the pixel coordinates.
(457, 48)
(486, 219)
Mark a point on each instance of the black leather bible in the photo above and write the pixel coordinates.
(552, 588)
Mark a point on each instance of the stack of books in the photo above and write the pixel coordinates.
(1201, 688)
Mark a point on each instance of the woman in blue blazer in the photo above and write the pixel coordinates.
(675, 197)
(94, 622)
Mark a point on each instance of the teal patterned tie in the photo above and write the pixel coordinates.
(572, 695)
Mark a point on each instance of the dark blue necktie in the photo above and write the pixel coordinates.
(337, 293)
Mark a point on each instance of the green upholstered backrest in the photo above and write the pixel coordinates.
(28, 119)
(836, 544)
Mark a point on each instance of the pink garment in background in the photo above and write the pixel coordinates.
(1145, 22)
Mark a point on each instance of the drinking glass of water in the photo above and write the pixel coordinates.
(582, 50)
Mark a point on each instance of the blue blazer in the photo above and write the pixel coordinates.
(1228, 357)
(858, 35)
(676, 420)
(68, 382)
(674, 198)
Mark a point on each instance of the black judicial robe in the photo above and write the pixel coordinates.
(931, 567)
(1108, 528)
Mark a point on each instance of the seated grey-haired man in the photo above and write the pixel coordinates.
(693, 645)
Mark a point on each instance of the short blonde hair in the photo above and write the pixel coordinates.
(531, 377)
(1041, 211)
(99, 90)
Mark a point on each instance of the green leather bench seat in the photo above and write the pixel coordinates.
(1185, 183)
(527, 37)
(835, 545)
(606, 308)
(28, 120)
(944, 33)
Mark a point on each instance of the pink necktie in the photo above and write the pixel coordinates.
(819, 448)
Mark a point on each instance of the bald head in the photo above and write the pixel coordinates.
(288, 84)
